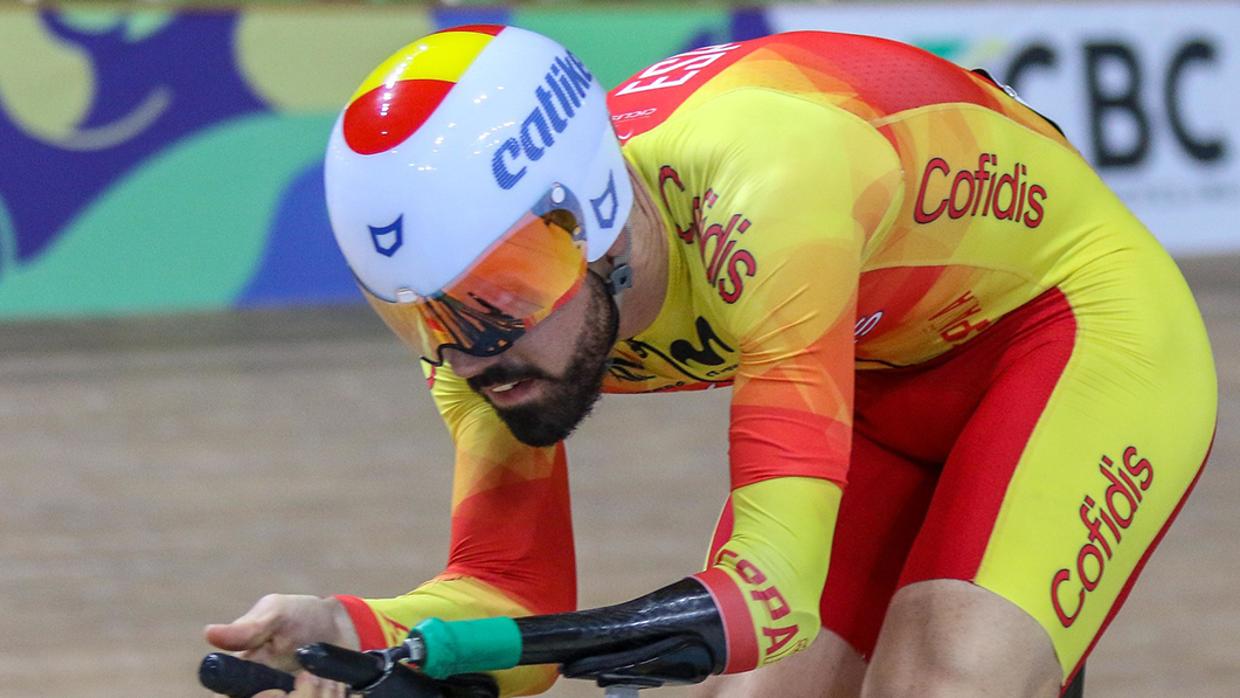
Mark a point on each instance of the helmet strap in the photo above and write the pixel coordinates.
(620, 277)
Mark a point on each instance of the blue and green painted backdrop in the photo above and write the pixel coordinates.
(157, 161)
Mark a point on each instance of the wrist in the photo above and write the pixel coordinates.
(344, 631)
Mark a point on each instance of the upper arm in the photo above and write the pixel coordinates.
(815, 183)
(812, 184)
(511, 515)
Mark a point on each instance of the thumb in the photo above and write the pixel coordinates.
(239, 635)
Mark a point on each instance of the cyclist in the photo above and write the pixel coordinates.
(963, 373)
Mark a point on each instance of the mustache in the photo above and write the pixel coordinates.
(500, 374)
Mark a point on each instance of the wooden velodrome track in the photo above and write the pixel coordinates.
(159, 474)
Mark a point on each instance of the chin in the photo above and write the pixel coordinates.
(549, 422)
(567, 401)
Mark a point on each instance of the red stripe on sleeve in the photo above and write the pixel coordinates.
(368, 631)
(737, 622)
(769, 442)
(723, 529)
(516, 534)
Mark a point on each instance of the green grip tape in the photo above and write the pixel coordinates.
(464, 646)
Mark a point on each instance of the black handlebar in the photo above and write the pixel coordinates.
(362, 671)
(358, 670)
(238, 678)
(371, 674)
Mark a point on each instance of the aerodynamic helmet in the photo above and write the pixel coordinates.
(469, 180)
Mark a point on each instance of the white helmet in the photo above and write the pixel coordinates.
(469, 180)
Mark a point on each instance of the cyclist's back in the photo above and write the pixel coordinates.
(979, 205)
(1018, 333)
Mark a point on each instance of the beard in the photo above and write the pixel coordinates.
(569, 398)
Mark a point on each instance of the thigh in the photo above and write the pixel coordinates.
(828, 668)
(884, 504)
(952, 638)
(1091, 433)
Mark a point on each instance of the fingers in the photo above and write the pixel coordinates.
(272, 630)
(250, 636)
(308, 685)
(239, 635)
(251, 630)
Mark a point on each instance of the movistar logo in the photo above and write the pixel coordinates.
(561, 94)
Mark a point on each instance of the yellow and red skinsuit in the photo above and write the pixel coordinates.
(833, 203)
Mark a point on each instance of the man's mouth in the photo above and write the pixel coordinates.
(511, 393)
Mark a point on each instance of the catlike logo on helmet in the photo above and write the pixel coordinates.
(565, 85)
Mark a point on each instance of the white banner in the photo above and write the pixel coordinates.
(1150, 93)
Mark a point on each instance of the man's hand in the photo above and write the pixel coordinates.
(278, 624)
(308, 686)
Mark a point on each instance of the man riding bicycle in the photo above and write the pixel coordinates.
(963, 375)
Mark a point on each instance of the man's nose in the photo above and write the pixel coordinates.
(465, 365)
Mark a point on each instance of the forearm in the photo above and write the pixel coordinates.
(768, 573)
(386, 622)
(510, 555)
(383, 622)
(755, 604)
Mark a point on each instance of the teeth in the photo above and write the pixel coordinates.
(503, 388)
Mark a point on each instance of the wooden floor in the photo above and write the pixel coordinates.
(160, 474)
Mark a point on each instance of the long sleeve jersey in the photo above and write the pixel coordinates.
(832, 203)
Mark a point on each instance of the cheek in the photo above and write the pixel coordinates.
(552, 342)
